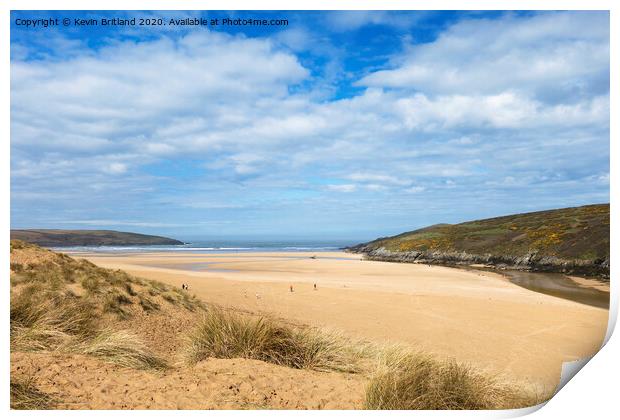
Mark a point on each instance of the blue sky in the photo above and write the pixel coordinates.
(339, 125)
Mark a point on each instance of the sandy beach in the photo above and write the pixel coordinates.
(475, 317)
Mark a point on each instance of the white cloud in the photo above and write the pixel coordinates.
(344, 188)
(415, 190)
(517, 97)
(374, 177)
(246, 163)
(296, 38)
(544, 55)
(107, 222)
(116, 168)
(504, 110)
(354, 19)
(158, 91)
(159, 149)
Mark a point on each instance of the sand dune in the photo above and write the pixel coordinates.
(472, 316)
(80, 382)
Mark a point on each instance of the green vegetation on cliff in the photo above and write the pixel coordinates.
(577, 233)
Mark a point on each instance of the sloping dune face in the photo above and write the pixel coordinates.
(79, 382)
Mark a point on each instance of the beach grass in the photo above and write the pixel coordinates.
(26, 396)
(63, 305)
(121, 348)
(57, 323)
(226, 334)
(43, 321)
(399, 377)
(408, 380)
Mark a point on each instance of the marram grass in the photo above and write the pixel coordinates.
(407, 380)
(225, 334)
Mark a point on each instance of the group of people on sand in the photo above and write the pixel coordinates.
(258, 296)
(292, 290)
(185, 286)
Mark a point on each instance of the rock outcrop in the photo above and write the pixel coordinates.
(529, 262)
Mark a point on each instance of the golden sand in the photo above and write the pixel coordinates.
(475, 317)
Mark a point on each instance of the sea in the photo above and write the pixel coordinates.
(222, 246)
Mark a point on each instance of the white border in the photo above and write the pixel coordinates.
(593, 393)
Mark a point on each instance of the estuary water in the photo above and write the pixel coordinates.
(559, 285)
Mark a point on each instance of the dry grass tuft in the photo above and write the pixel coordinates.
(60, 304)
(64, 323)
(148, 305)
(121, 348)
(46, 318)
(405, 380)
(46, 321)
(114, 302)
(26, 396)
(225, 334)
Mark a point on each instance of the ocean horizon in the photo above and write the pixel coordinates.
(223, 246)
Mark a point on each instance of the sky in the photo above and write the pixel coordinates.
(338, 125)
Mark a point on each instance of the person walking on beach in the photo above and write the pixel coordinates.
(291, 288)
(315, 286)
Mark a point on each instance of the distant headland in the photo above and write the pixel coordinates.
(61, 237)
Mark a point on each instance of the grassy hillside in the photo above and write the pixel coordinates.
(88, 337)
(58, 238)
(570, 234)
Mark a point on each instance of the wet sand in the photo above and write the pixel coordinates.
(473, 316)
(589, 291)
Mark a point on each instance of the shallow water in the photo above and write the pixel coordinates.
(559, 285)
(212, 266)
(195, 266)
